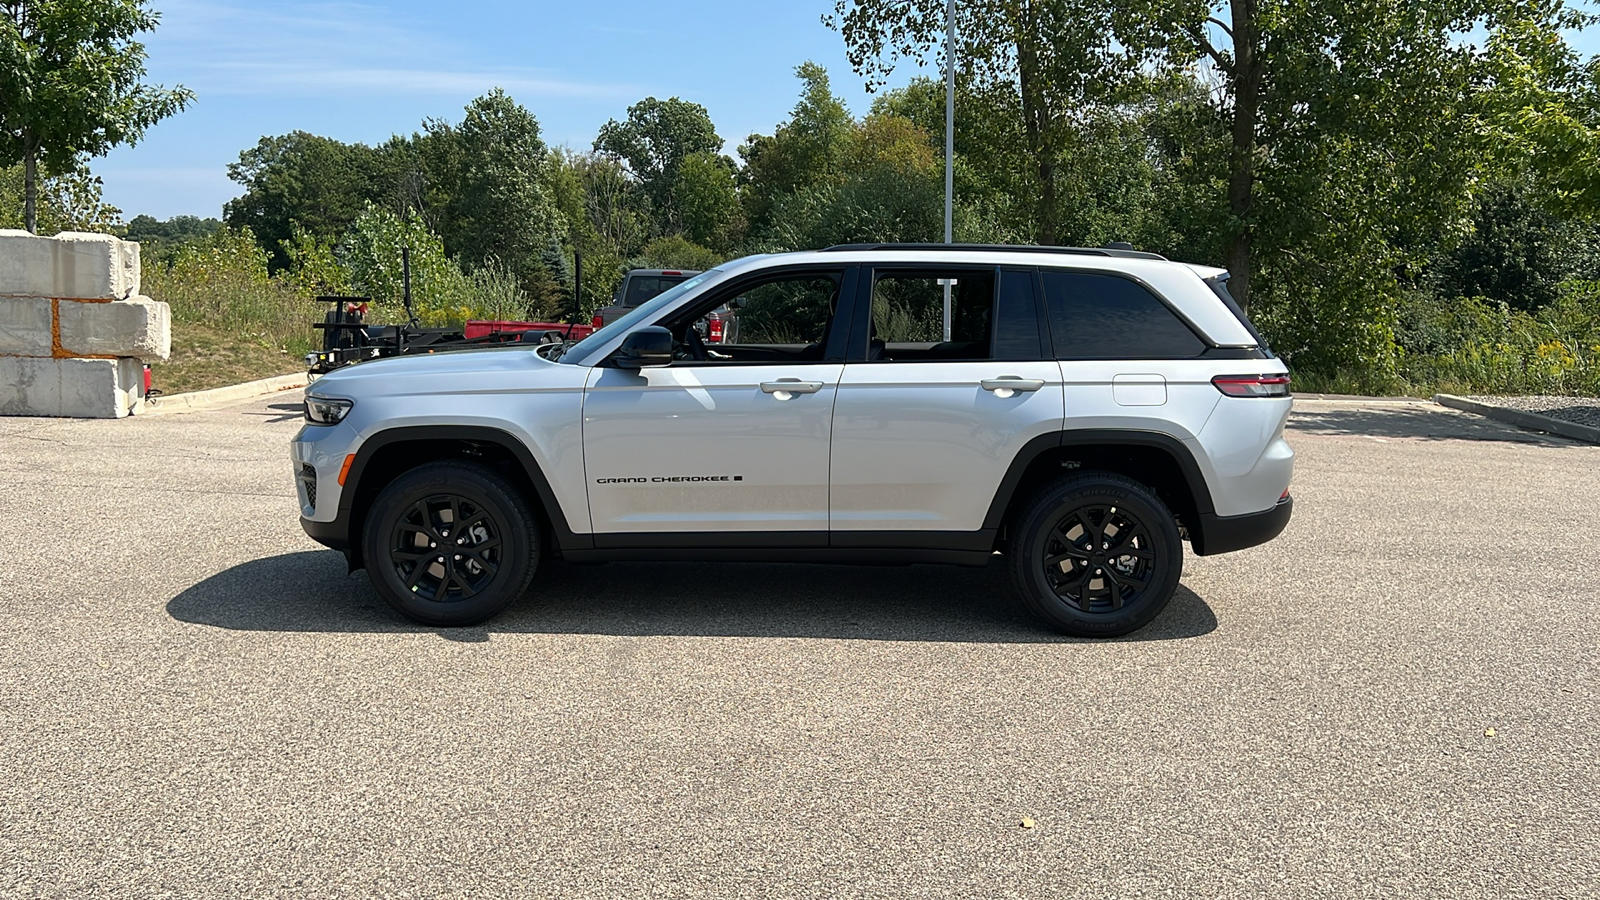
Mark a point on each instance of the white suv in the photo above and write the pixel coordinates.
(1079, 411)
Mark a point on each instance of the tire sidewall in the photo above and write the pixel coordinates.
(518, 537)
(1051, 508)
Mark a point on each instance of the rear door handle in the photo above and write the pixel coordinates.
(1006, 385)
(790, 386)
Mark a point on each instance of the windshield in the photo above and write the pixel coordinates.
(640, 313)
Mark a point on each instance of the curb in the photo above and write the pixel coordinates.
(223, 396)
(1356, 398)
(1528, 420)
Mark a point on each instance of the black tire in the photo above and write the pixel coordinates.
(1092, 591)
(420, 514)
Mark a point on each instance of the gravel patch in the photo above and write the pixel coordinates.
(1581, 410)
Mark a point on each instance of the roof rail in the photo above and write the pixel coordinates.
(1117, 249)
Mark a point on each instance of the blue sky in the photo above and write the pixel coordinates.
(363, 71)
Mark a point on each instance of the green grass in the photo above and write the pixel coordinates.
(204, 357)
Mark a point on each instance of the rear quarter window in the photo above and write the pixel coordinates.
(1098, 316)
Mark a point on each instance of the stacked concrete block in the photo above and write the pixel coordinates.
(74, 332)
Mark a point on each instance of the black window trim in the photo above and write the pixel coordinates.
(861, 323)
(834, 341)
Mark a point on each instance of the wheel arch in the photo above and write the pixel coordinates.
(392, 452)
(1160, 461)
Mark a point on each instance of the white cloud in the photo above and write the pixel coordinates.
(309, 49)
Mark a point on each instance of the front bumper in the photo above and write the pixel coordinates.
(335, 534)
(1225, 534)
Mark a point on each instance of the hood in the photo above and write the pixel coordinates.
(514, 367)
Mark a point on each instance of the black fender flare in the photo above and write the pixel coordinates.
(1101, 437)
(565, 537)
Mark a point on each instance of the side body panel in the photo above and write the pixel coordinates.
(706, 449)
(922, 446)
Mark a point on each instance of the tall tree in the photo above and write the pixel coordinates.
(68, 202)
(499, 207)
(307, 181)
(707, 200)
(1058, 57)
(1385, 98)
(654, 140)
(70, 85)
(806, 150)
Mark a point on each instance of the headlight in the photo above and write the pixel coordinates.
(325, 410)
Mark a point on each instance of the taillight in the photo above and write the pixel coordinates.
(597, 322)
(1253, 385)
(714, 328)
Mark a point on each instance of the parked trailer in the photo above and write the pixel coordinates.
(347, 338)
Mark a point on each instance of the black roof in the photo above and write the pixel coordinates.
(1125, 251)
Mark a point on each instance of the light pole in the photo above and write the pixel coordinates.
(949, 141)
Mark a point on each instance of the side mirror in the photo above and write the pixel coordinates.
(644, 348)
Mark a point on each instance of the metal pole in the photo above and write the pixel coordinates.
(949, 141)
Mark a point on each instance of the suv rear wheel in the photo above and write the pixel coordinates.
(450, 543)
(1096, 555)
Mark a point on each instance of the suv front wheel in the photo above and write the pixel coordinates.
(450, 543)
(1096, 555)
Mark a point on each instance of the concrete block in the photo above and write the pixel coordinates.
(79, 388)
(71, 264)
(24, 326)
(138, 327)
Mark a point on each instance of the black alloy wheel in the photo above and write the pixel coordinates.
(1096, 555)
(450, 543)
(445, 548)
(1098, 558)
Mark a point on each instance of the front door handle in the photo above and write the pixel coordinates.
(784, 388)
(1008, 385)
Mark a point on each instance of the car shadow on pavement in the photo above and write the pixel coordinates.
(310, 592)
(1413, 423)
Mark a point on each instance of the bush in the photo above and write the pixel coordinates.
(222, 283)
(1478, 346)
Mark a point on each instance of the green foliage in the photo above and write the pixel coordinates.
(315, 268)
(1405, 197)
(707, 200)
(1518, 252)
(1478, 346)
(374, 254)
(1051, 60)
(499, 209)
(221, 282)
(161, 240)
(70, 86)
(675, 252)
(654, 140)
(805, 151)
(69, 202)
(298, 180)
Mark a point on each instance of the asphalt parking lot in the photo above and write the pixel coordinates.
(195, 700)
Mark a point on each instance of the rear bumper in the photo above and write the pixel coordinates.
(1225, 534)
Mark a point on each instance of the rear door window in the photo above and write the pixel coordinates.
(1099, 316)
